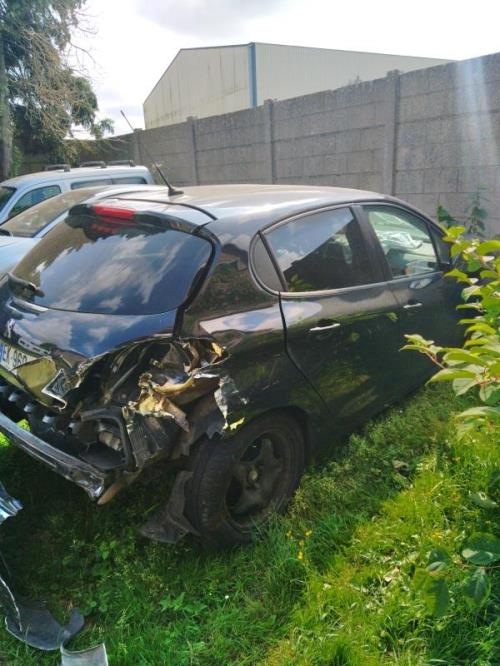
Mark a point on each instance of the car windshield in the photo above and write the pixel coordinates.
(31, 221)
(113, 266)
(6, 193)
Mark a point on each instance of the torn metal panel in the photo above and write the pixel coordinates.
(152, 399)
(204, 419)
(183, 375)
(92, 480)
(96, 656)
(39, 629)
(9, 507)
(27, 620)
(228, 397)
(170, 525)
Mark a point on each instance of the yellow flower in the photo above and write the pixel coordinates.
(308, 533)
(300, 555)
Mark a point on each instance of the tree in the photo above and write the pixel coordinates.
(41, 96)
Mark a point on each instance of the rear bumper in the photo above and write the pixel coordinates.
(92, 480)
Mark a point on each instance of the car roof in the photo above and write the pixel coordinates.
(222, 201)
(39, 177)
(247, 208)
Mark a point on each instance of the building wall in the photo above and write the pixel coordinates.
(200, 82)
(290, 71)
(204, 82)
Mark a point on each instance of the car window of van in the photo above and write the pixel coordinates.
(6, 194)
(405, 240)
(321, 251)
(129, 180)
(34, 197)
(30, 222)
(91, 183)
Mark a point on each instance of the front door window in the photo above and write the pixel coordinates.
(405, 241)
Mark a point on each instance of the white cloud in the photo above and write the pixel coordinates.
(212, 19)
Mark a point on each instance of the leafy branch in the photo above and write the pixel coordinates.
(472, 368)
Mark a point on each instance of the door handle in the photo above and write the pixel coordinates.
(412, 304)
(326, 327)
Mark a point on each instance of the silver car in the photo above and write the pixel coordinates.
(21, 233)
(22, 192)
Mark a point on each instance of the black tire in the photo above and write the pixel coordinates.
(239, 482)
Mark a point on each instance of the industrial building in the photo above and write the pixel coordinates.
(210, 81)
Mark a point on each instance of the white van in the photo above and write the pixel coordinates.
(18, 194)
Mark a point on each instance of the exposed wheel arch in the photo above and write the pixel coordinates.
(265, 457)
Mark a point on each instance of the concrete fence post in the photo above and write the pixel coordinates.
(390, 138)
(135, 146)
(269, 168)
(191, 122)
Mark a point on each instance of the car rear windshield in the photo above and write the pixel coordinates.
(113, 266)
(34, 219)
(6, 193)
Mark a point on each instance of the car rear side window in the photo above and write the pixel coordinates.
(263, 266)
(114, 266)
(321, 251)
(405, 240)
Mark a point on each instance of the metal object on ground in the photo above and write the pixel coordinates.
(27, 620)
(96, 656)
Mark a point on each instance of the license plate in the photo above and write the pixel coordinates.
(12, 357)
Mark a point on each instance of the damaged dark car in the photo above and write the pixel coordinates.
(232, 331)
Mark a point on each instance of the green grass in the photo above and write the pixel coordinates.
(329, 584)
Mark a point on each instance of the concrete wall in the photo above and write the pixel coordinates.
(430, 136)
(448, 136)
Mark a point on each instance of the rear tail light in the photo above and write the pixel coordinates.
(113, 212)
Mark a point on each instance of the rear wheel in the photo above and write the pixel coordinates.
(238, 483)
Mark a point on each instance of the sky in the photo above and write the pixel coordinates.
(132, 42)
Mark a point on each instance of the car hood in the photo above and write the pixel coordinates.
(12, 250)
(61, 346)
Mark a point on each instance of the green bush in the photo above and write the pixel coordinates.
(473, 368)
